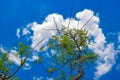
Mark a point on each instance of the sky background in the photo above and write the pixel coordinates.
(16, 14)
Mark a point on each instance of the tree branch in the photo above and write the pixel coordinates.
(78, 76)
(23, 60)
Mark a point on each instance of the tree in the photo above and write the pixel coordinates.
(71, 51)
(8, 68)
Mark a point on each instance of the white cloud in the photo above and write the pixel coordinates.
(112, 33)
(26, 66)
(49, 79)
(25, 31)
(99, 44)
(18, 33)
(53, 52)
(39, 31)
(37, 78)
(14, 58)
(34, 57)
(42, 78)
(2, 50)
(11, 56)
(17, 60)
(106, 61)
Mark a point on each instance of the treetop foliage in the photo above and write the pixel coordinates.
(71, 52)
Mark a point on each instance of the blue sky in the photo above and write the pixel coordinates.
(16, 14)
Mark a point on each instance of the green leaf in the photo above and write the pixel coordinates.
(52, 69)
(55, 37)
(23, 49)
(62, 75)
(41, 48)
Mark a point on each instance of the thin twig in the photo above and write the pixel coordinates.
(87, 22)
(91, 31)
(56, 24)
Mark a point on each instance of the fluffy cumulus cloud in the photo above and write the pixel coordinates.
(41, 31)
(99, 44)
(105, 61)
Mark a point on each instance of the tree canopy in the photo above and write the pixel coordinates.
(68, 49)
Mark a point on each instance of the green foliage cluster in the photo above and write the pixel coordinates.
(6, 65)
(23, 50)
(72, 51)
(3, 62)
